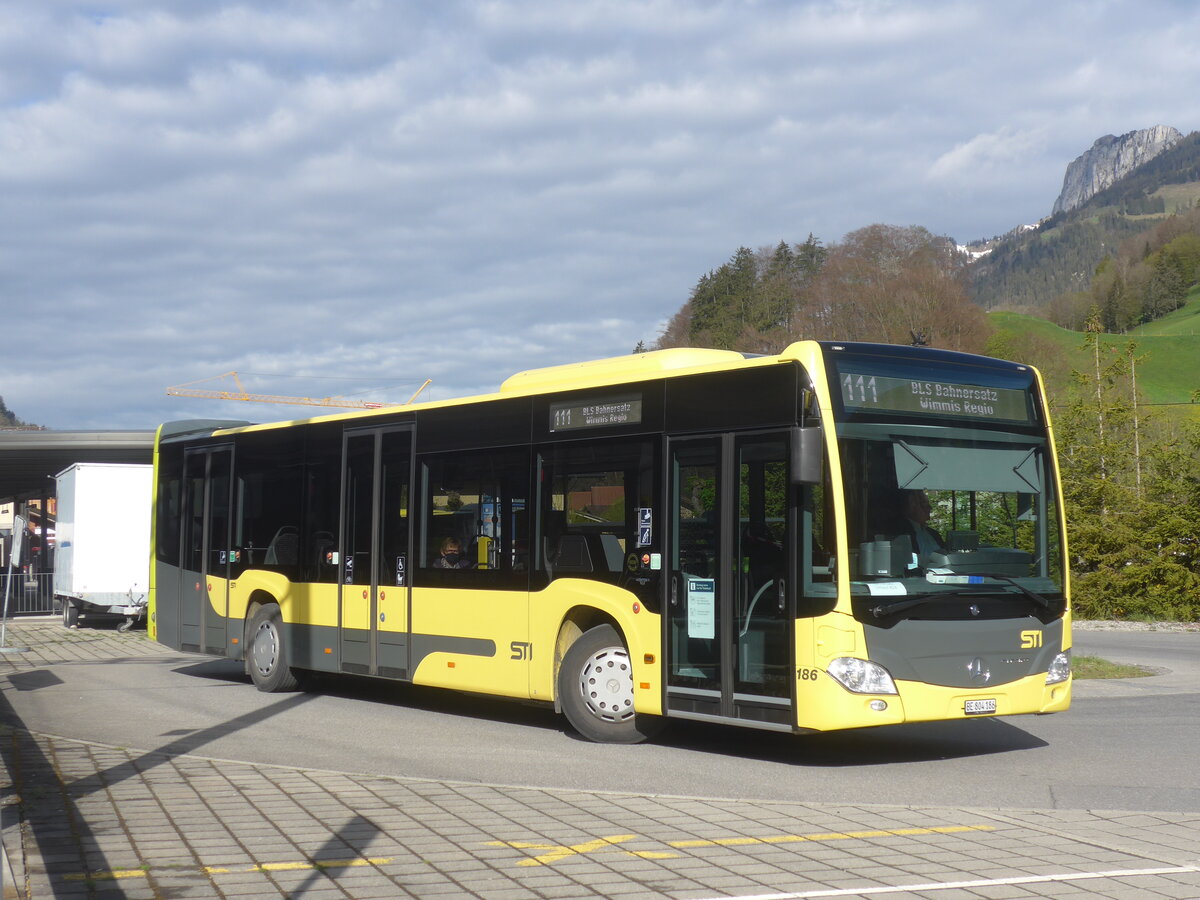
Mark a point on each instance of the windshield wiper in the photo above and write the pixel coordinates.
(1032, 595)
(887, 609)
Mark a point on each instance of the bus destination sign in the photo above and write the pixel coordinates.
(576, 415)
(868, 393)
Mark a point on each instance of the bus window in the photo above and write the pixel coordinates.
(267, 500)
(598, 514)
(170, 507)
(476, 510)
(818, 542)
(322, 474)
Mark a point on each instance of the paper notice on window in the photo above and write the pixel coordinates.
(702, 608)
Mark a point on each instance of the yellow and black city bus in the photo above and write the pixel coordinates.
(839, 536)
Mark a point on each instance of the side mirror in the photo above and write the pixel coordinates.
(808, 454)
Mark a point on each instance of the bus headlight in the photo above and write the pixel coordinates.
(862, 676)
(1060, 668)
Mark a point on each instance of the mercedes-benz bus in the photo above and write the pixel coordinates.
(837, 536)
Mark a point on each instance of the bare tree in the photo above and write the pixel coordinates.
(885, 283)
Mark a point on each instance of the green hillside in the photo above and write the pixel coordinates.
(1184, 321)
(1021, 324)
(1167, 376)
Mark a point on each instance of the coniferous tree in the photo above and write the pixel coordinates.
(1131, 502)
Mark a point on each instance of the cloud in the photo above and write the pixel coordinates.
(986, 156)
(390, 192)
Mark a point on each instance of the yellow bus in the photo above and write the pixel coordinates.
(837, 536)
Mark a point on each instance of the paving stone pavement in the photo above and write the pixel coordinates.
(82, 820)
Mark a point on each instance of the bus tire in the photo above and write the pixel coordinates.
(595, 690)
(70, 614)
(266, 659)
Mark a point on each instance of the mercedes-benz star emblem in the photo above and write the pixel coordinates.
(980, 673)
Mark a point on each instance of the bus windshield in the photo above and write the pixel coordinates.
(933, 510)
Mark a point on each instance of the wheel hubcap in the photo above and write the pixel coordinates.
(265, 648)
(606, 683)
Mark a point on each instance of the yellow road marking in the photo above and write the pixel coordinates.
(560, 852)
(319, 865)
(110, 876)
(830, 836)
(554, 852)
(304, 866)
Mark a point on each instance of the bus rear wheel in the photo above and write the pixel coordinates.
(595, 690)
(266, 657)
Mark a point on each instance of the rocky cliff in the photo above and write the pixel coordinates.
(1109, 159)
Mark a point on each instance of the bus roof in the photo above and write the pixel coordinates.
(572, 376)
(617, 370)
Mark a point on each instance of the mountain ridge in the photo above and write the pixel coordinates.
(1109, 160)
(1031, 266)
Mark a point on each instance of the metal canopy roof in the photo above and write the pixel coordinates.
(29, 458)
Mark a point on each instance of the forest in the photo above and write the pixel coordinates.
(1148, 276)
(1131, 472)
(881, 283)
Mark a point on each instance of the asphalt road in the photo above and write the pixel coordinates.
(1126, 745)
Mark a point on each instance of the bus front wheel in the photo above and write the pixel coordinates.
(595, 690)
(267, 657)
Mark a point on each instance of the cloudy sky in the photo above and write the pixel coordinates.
(349, 197)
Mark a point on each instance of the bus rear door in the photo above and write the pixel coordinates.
(204, 572)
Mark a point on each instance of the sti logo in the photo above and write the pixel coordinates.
(1030, 639)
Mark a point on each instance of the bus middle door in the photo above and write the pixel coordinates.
(375, 551)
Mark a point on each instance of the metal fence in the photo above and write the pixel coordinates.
(29, 594)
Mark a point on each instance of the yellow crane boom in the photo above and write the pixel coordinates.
(185, 390)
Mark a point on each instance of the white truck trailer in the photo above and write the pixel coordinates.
(102, 554)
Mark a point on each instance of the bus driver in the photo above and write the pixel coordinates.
(915, 512)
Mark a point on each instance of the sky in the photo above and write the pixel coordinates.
(348, 198)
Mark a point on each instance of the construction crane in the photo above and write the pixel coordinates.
(185, 390)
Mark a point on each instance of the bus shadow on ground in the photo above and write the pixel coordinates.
(357, 688)
(922, 742)
(46, 797)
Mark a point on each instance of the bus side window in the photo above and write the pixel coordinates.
(475, 523)
(818, 544)
(268, 498)
(321, 492)
(170, 507)
(598, 517)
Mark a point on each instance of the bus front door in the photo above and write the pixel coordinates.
(375, 552)
(204, 573)
(730, 561)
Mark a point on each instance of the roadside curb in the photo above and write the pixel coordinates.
(7, 882)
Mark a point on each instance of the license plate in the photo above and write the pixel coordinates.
(979, 707)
